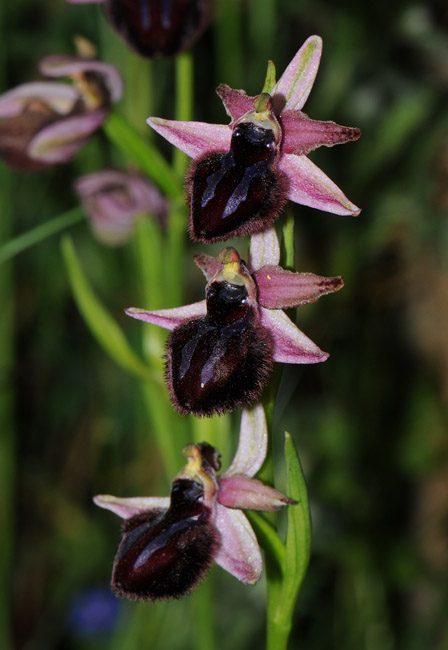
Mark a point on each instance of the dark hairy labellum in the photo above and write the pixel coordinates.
(222, 361)
(165, 554)
(239, 192)
(158, 27)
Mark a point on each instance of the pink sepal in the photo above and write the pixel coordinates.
(308, 185)
(302, 134)
(126, 508)
(236, 102)
(239, 553)
(292, 89)
(59, 141)
(169, 318)
(209, 265)
(264, 249)
(61, 97)
(252, 444)
(291, 345)
(240, 491)
(62, 65)
(193, 138)
(281, 289)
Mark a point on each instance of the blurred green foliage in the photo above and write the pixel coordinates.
(370, 423)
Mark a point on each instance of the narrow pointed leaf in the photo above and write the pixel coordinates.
(104, 328)
(298, 537)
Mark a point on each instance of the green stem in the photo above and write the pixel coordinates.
(7, 438)
(288, 240)
(229, 36)
(184, 103)
(39, 233)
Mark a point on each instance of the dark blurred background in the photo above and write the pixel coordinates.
(370, 424)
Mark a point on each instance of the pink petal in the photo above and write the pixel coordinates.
(252, 445)
(193, 138)
(169, 318)
(239, 553)
(236, 102)
(308, 185)
(240, 491)
(209, 265)
(290, 344)
(296, 82)
(126, 508)
(58, 142)
(264, 249)
(301, 134)
(61, 97)
(281, 289)
(61, 65)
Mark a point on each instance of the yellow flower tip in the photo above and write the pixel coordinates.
(194, 461)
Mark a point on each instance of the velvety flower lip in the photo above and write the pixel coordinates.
(46, 123)
(113, 199)
(277, 289)
(298, 134)
(224, 496)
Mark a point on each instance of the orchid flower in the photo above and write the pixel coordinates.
(243, 173)
(220, 351)
(169, 543)
(113, 200)
(156, 27)
(44, 123)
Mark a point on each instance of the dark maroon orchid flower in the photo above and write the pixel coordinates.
(243, 173)
(221, 350)
(169, 543)
(156, 27)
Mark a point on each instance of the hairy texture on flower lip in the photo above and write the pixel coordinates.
(275, 287)
(304, 182)
(221, 534)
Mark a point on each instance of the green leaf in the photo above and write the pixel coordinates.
(296, 556)
(143, 154)
(100, 322)
(39, 233)
(298, 537)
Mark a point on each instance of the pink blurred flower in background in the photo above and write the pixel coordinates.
(114, 199)
(44, 123)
